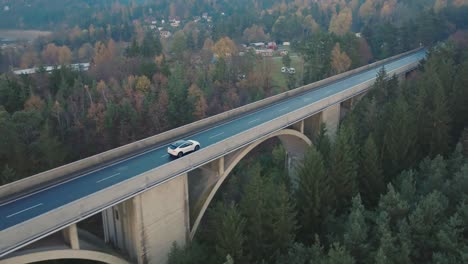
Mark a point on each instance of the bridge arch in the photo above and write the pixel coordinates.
(56, 254)
(294, 142)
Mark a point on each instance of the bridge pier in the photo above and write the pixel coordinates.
(146, 225)
(70, 236)
(312, 126)
(331, 118)
(201, 181)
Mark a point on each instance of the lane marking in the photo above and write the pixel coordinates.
(163, 156)
(108, 177)
(254, 120)
(282, 109)
(24, 210)
(219, 134)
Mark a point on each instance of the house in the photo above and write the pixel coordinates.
(175, 23)
(49, 69)
(286, 43)
(358, 35)
(205, 16)
(258, 45)
(164, 34)
(152, 27)
(264, 52)
(272, 45)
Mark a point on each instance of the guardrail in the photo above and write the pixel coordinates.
(58, 174)
(40, 226)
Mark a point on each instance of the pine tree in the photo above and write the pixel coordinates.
(227, 231)
(323, 144)
(339, 255)
(7, 175)
(314, 195)
(343, 167)
(355, 236)
(179, 110)
(393, 205)
(371, 178)
(424, 222)
(457, 101)
(270, 218)
(399, 138)
(282, 216)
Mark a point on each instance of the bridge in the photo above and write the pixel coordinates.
(146, 199)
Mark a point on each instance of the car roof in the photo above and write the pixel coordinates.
(179, 142)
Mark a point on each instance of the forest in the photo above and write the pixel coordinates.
(137, 79)
(392, 187)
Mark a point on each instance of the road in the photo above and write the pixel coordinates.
(24, 208)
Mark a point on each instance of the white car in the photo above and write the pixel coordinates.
(182, 147)
(284, 69)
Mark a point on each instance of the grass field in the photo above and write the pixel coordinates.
(15, 35)
(279, 78)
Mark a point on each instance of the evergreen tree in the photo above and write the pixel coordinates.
(151, 45)
(179, 110)
(270, 218)
(192, 253)
(323, 143)
(133, 50)
(286, 60)
(7, 175)
(371, 178)
(356, 231)
(301, 254)
(314, 195)
(399, 138)
(394, 207)
(424, 222)
(457, 101)
(339, 255)
(343, 167)
(227, 231)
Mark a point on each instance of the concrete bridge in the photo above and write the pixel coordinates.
(147, 200)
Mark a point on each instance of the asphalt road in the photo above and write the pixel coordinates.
(22, 209)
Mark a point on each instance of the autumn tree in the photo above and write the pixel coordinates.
(86, 52)
(224, 47)
(340, 61)
(340, 24)
(50, 54)
(64, 55)
(197, 99)
(254, 34)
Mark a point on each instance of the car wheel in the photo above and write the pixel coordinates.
(197, 147)
(180, 154)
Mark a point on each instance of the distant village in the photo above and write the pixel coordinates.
(166, 27)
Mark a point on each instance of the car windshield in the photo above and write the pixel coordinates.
(177, 144)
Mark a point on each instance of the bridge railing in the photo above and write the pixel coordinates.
(42, 225)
